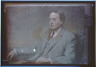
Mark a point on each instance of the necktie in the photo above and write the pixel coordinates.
(51, 35)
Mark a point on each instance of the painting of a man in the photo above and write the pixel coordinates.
(56, 45)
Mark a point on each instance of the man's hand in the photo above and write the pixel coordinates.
(11, 54)
(43, 60)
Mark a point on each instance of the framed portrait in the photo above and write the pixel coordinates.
(26, 39)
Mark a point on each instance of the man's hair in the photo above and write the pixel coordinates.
(61, 15)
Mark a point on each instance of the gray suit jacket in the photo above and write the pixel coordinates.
(60, 49)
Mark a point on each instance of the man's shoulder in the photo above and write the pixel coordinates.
(68, 35)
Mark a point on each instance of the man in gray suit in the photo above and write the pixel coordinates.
(56, 45)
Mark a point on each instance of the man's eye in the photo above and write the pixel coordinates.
(52, 19)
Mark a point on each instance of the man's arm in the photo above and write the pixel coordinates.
(18, 52)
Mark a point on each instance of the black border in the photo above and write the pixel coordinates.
(91, 36)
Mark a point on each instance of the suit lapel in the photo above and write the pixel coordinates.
(56, 38)
(52, 42)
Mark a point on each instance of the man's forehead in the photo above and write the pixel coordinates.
(53, 14)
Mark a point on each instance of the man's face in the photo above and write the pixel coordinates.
(55, 22)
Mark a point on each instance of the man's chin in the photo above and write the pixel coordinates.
(52, 28)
